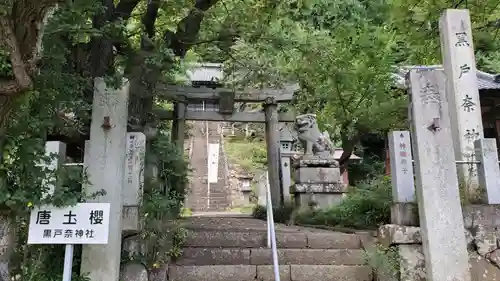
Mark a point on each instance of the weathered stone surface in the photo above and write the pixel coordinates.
(134, 272)
(134, 246)
(313, 161)
(330, 273)
(391, 234)
(469, 239)
(404, 213)
(439, 198)
(130, 218)
(412, 263)
(318, 187)
(368, 239)
(482, 270)
(317, 175)
(495, 214)
(308, 256)
(213, 273)
(320, 200)
(480, 215)
(494, 257)
(226, 239)
(291, 240)
(266, 273)
(159, 274)
(333, 240)
(485, 239)
(213, 256)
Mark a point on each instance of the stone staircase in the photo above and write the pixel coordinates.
(199, 199)
(234, 249)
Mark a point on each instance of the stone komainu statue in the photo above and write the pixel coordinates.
(314, 142)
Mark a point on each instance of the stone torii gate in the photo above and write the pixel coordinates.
(207, 104)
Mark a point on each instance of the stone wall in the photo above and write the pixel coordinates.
(482, 232)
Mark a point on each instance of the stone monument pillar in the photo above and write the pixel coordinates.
(317, 174)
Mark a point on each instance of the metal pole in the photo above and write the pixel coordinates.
(68, 262)
(272, 234)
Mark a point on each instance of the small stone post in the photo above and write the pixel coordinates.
(273, 146)
(403, 186)
(489, 171)
(104, 163)
(461, 90)
(262, 184)
(286, 140)
(441, 220)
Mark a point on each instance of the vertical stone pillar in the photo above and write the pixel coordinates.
(179, 124)
(104, 164)
(273, 146)
(57, 151)
(403, 186)
(461, 90)
(442, 224)
(489, 171)
(134, 181)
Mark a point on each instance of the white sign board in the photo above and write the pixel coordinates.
(84, 223)
(213, 162)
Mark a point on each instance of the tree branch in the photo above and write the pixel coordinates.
(22, 80)
(101, 58)
(188, 28)
(150, 16)
(124, 9)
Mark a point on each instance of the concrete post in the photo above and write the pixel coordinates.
(105, 166)
(442, 225)
(273, 146)
(403, 186)
(489, 171)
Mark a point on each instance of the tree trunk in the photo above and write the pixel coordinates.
(6, 104)
(7, 243)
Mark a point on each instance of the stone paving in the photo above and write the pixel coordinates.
(198, 199)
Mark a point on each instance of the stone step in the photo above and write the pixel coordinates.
(228, 238)
(263, 256)
(212, 200)
(203, 199)
(265, 273)
(204, 207)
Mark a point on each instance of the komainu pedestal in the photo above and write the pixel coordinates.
(317, 174)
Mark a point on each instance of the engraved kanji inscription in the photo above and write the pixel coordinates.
(462, 40)
(471, 135)
(468, 104)
(465, 68)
